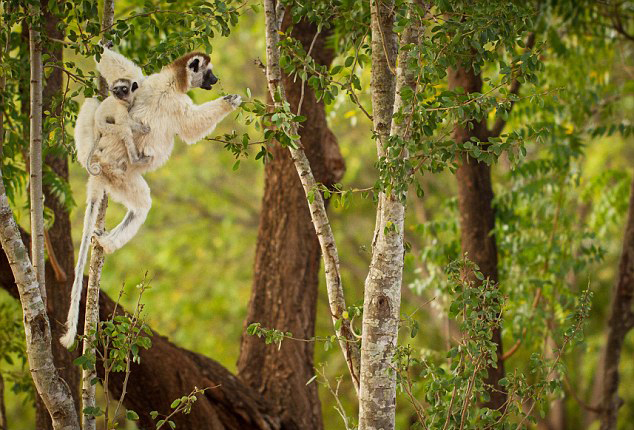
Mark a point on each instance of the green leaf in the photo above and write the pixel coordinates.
(131, 415)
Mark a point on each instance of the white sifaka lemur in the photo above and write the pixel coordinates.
(162, 104)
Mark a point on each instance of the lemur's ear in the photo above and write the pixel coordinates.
(135, 86)
(194, 65)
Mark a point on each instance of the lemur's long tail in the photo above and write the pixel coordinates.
(90, 220)
(85, 132)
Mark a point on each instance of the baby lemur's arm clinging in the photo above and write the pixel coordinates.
(112, 119)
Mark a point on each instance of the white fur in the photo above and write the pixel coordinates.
(85, 130)
(115, 148)
(168, 112)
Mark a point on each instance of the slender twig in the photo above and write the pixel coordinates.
(71, 74)
(554, 365)
(515, 89)
(301, 98)
(538, 292)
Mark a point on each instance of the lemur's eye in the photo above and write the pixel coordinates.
(124, 89)
(194, 65)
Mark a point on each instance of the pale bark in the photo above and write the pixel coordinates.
(382, 298)
(35, 151)
(52, 389)
(91, 318)
(288, 256)
(317, 208)
(620, 323)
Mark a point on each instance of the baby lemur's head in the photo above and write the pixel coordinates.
(123, 89)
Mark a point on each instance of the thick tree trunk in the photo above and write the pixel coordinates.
(620, 323)
(382, 295)
(477, 217)
(287, 259)
(167, 372)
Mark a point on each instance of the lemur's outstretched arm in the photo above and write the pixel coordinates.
(200, 120)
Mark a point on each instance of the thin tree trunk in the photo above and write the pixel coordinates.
(88, 389)
(317, 207)
(477, 218)
(91, 319)
(35, 151)
(287, 258)
(620, 323)
(53, 390)
(382, 297)
(59, 248)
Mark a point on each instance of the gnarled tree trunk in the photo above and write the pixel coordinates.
(50, 386)
(167, 372)
(287, 259)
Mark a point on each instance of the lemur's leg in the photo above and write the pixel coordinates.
(139, 127)
(135, 156)
(135, 195)
(95, 193)
(197, 121)
(130, 147)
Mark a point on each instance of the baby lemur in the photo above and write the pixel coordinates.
(114, 148)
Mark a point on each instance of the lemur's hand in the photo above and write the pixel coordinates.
(142, 159)
(145, 129)
(106, 44)
(103, 239)
(233, 99)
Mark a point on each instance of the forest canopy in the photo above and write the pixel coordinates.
(411, 215)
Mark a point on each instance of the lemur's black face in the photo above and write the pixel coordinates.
(123, 88)
(209, 79)
(201, 73)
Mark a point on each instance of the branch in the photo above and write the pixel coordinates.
(515, 89)
(60, 273)
(318, 213)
